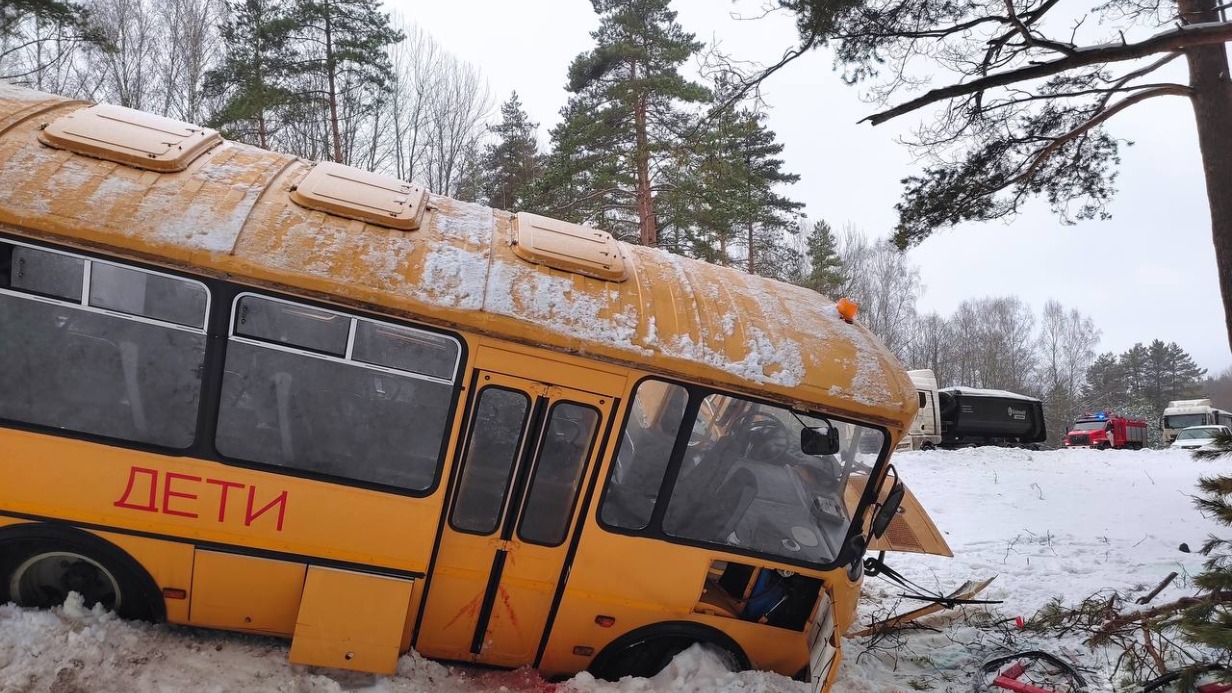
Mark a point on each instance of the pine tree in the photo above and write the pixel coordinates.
(825, 267)
(38, 39)
(623, 120)
(723, 190)
(512, 163)
(1170, 374)
(471, 179)
(1209, 622)
(12, 12)
(253, 78)
(1107, 386)
(761, 215)
(1135, 367)
(345, 64)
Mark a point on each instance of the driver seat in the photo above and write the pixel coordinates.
(734, 497)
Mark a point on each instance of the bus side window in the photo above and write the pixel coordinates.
(77, 368)
(294, 396)
(645, 449)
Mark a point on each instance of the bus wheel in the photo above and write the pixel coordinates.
(652, 656)
(646, 651)
(40, 566)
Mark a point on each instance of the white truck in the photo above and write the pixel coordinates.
(925, 433)
(1183, 413)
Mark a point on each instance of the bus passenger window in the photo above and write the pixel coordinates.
(293, 325)
(645, 449)
(291, 398)
(44, 273)
(148, 295)
(406, 349)
(76, 368)
(558, 473)
(496, 437)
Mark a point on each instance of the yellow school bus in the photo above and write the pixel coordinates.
(250, 392)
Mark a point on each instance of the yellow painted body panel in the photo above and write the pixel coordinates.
(643, 581)
(170, 564)
(83, 482)
(351, 620)
(246, 593)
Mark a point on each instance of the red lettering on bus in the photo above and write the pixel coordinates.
(280, 501)
(222, 502)
(168, 494)
(151, 506)
(251, 513)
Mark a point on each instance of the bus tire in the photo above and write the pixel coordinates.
(40, 564)
(645, 651)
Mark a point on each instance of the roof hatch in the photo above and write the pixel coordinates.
(129, 137)
(356, 194)
(569, 247)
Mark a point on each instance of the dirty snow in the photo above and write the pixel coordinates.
(1063, 523)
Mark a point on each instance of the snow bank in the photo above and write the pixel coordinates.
(1063, 523)
(1055, 524)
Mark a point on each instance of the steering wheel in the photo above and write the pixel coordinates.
(762, 437)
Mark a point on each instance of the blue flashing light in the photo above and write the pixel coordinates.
(1102, 416)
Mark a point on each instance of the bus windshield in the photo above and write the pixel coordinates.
(743, 480)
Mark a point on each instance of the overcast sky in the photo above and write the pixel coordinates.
(1149, 273)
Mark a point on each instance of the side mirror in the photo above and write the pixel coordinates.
(881, 522)
(819, 440)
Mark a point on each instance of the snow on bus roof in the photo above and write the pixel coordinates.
(12, 92)
(230, 214)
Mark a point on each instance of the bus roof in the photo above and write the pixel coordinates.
(230, 214)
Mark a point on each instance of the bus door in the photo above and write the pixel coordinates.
(527, 456)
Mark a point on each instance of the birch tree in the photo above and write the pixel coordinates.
(886, 286)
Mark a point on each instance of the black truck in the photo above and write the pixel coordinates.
(971, 417)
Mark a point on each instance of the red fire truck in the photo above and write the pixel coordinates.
(1106, 430)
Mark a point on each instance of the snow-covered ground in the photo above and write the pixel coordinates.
(1059, 524)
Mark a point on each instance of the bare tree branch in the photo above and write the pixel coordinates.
(1169, 41)
(1033, 40)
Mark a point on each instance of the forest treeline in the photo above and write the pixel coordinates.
(639, 150)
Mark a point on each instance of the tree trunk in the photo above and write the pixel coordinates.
(752, 267)
(1212, 102)
(649, 235)
(330, 67)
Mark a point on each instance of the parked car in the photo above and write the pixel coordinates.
(1199, 436)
